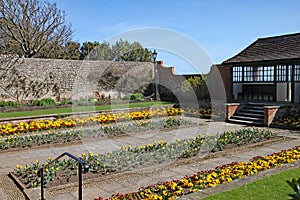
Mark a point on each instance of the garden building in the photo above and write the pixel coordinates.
(267, 70)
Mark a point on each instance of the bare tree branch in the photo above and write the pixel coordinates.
(32, 25)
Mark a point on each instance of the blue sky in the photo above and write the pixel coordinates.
(221, 27)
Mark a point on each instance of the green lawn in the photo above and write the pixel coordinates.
(270, 188)
(79, 109)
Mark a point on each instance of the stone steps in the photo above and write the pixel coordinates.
(250, 114)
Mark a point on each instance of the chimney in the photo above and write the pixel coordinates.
(161, 63)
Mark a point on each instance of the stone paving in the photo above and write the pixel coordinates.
(134, 180)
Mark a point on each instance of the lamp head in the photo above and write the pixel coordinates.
(154, 55)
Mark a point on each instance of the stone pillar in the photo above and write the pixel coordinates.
(231, 108)
(269, 114)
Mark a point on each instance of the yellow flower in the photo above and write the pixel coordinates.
(190, 185)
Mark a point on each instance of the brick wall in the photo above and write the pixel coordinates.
(170, 85)
(220, 82)
(226, 74)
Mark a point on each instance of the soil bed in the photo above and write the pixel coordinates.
(70, 179)
(78, 139)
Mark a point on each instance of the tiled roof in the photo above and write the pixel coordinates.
(270, 48)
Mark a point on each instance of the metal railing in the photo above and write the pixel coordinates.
(82, 167)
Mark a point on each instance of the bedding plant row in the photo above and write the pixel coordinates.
(210, 178)
(129, 158)
(54, 136)
(39, 125)
(289, 122)
(206, 113)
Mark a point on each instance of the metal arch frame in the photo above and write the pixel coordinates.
(81, 165)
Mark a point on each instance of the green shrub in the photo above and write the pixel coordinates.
(66, 102)
(43, 102)
(92, 100)
(81, 102)
(9, 104)
(137, 96)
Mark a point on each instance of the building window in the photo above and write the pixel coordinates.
(281, 73)
(260, 74)
(237, 75)
(253, 73)
(248, 74)
(264, 73)
(268, 73)
(297, 72)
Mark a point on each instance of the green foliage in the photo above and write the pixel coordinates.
(79, 102)
(120, 51)
(243, 136)
(75, 135)
(62, 115)
(43, 102)
(92, 100)
(96, 51)
(125, 51)
(128, 157)
(197, 85)
(66, 102)
(137, 96)
(79, 109)
(9, 104)
(70, 50)
(295, 185)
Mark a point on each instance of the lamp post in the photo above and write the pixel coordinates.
(154, 55)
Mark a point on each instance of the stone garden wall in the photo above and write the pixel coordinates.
(74, 78)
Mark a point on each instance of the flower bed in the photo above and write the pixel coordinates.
(202, 113)
(54, 137)
(128, 158)
(205, 113)
(287, 122)
(38, 125)
(204, 179)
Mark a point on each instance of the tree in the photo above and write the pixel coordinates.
(124, 51)
(87, 48)
(28, 26)
(120, 51)
(96, 51)
(69, 51)
(197, 85)
(72, 50)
